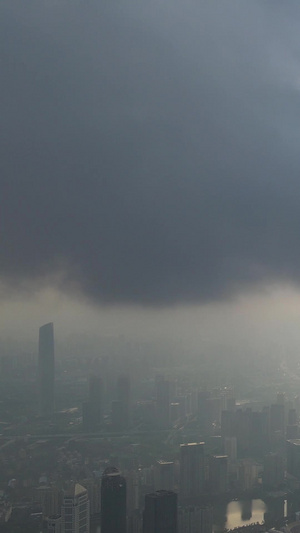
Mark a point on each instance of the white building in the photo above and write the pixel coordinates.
(75, 511)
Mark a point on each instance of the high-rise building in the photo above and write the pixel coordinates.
(277, 418)
(293, 458)
(92, 485)
(192, 472)
(230, 449)
(160, 514)
(195, 519)
(164, 475)
(92, 410)
(75, 510)
(218, 474)
(248, 472)
(49, 498)
(214, 409)
(46, 369)
(273, 474)
(228, 424)
(113, 502)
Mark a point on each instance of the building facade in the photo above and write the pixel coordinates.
(75, 511)
(113, 502)
(160, 513)
(192, 470)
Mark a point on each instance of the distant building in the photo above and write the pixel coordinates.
(93, 487)
(218, 474)
(113, 502)
(195, 519)
(160, 514)
(164, 475)
(277, 418)
(92, 410)
(248, 471)
(228, 424)
(293, 457)
(230, 449)
(280, 398)
(214, 409)
(48, 497)
(192, 472)
(46, 370)
(273, 473)
(75, 510)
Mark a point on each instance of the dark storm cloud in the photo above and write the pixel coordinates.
(151, 149)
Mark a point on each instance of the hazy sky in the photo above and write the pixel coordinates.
(150, 164)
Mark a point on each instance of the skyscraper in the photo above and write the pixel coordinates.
(273, 473)
(75, 511)
(192, 478)
(46, 370)
(113, 502)
(164, 475)
(92, 410)
(293, 457)
(160, 514)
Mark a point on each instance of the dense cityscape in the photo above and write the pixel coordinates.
(114, 444)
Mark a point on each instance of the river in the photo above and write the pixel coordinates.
(239, 513)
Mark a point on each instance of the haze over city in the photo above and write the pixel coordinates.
(149, 261)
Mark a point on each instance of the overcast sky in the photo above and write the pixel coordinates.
(149, 156)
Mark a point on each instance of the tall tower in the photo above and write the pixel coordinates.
(160, 514)
(46, 369)
(192, 475)
(113, 502)
(92, 410)
(75, 511)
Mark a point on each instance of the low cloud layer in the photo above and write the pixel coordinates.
(150, 150)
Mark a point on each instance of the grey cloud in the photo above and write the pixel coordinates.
(151, 148)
